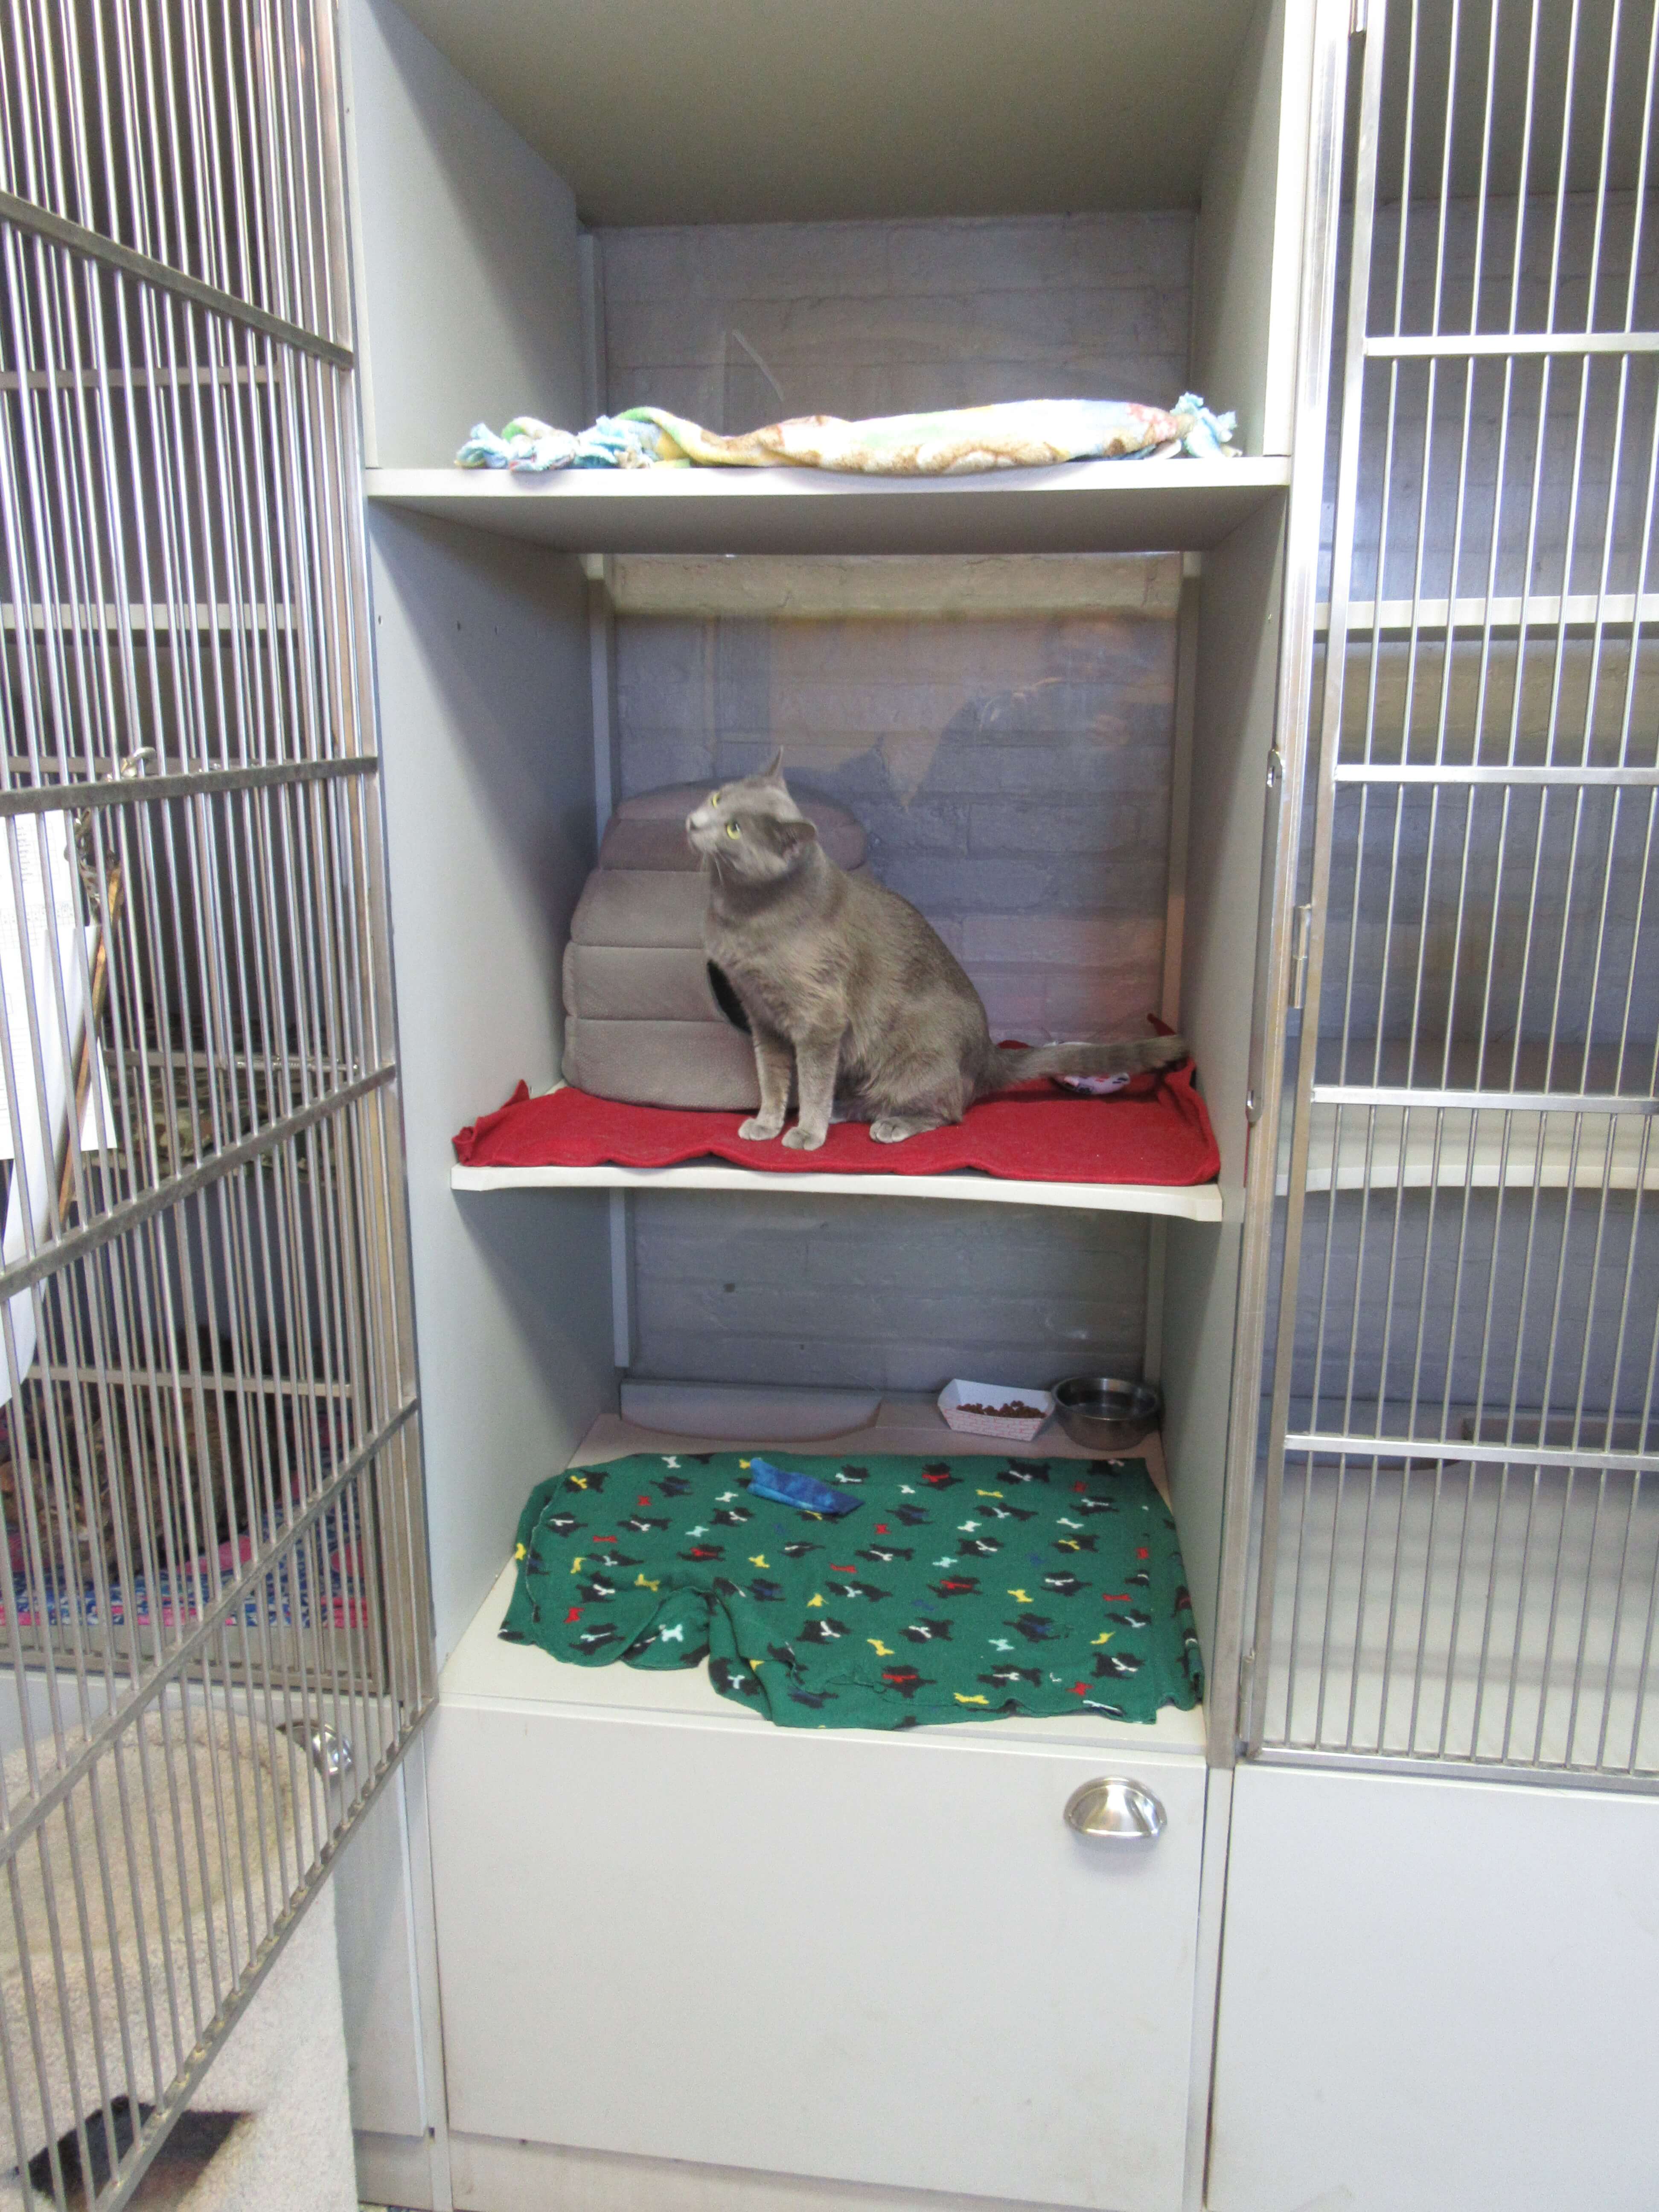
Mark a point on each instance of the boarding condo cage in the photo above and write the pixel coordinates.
(1455, 1536)
(215, 1616)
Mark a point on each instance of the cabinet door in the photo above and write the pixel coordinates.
(863, 1958)
(1437, 1996)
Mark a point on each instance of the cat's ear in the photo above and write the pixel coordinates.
(793, 834)
(773, 772)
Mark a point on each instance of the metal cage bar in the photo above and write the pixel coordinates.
(1457, 1565)
(215, 1637)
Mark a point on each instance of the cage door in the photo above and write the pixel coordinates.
(214, 1629)
(1459, 1537)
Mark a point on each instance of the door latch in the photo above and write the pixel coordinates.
(1246, 1699)
(1301, 933)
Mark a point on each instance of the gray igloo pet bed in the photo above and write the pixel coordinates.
(642, 1020)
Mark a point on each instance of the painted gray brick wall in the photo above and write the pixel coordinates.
(735, 325)
(1014, 780)
(899, 1294)
(1013, 775)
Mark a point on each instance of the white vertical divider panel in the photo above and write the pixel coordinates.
(602, 668)
(469, 290)
(623, 1330)
(1246, 302)
(488, 779)
(1151, 1350)
(1181, 794)
(374, 1928)
(590, 272)
(598, 568)
(1206, 1977)
(602, 678)
(480, 653)
(1233, 721)
(467, 264)
(389, 1983)
(469, 308)
(1247, 249)
(1234, 704)
(1181, 781)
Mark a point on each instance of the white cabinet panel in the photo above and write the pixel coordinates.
(867, 1958)
(1437, 1997)
(377, 1990)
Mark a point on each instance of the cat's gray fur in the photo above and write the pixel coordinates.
(849, 989)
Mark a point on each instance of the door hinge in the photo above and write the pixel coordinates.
(1246, 1687)
(1359, 11)
(1301, 932)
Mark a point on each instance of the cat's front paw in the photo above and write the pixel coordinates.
(758, 1129)
(893, 1129)
(803, 1140)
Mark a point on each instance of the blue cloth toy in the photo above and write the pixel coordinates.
(783, 1486)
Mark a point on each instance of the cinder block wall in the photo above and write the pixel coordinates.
(736, 325)
(896, 1293)
(1013, 775)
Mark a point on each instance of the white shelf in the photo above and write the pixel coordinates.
(1185, 1202)
(1081, 506)
(1395, 1148)
(482, 1670)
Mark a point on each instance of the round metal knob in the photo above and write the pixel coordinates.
(331, 1753)
(1114, 1811)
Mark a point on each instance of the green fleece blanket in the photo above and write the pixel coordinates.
(957, 1589)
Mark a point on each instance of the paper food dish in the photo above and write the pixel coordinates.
(988, 1409)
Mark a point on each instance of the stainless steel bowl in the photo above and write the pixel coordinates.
(1106, 1412)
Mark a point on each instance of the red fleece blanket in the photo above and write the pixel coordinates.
(1035, 1134)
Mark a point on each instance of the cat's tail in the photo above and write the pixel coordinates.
(1130, 1056)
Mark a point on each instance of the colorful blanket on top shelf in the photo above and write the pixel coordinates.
(962, 1588)
(1014, 434)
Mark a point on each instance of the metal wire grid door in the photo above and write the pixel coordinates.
(1460, 1532)
(215, 1630)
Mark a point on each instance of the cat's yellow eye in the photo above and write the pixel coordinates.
(713, 799)
(733, 830)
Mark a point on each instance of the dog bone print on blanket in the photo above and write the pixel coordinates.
(1017, 434)
(965, 1588)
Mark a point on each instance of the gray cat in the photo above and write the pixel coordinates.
(845, 984)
